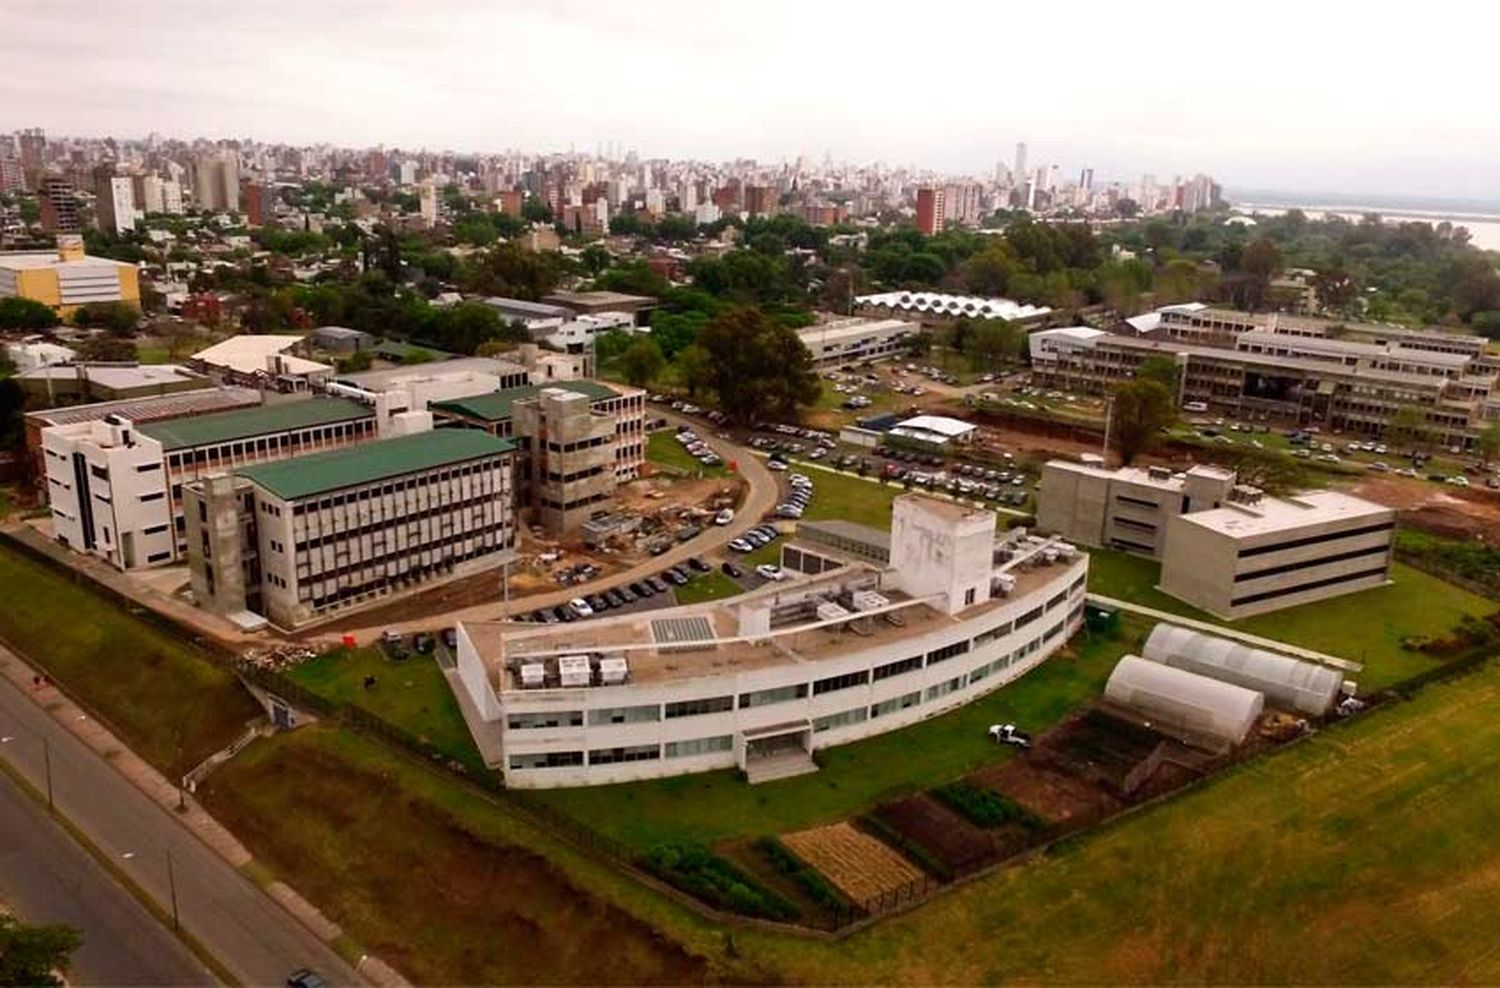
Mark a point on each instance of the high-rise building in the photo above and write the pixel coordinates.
(33, 150)
(930, 210)
(59, 205)
(216, 182)
(761, 200)
(114, 202)
(1086, 180)
(260, 203)
(428, 203)
(12, 178)
(1020, 170)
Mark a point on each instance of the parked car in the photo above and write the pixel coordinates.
(731, 570)
(656, 584)
(614, 597)
(304, 978)
(565, 613)
(697, 565)
(773, 573)
(675, 576)
(724, 517)
(741, 545)
(1009, 734)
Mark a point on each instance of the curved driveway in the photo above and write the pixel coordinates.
(761, 497)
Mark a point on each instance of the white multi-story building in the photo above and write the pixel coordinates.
(107, 491)
(302, 539)
(182, 450)
(762, 680)
(842, 340)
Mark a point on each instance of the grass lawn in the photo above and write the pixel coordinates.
(430, 876)
(712, 585)
(7, 499)
(154, 353)
(716, 805)
(1366, 627)
(412, 693)
(1363, 856)
(170, 704)
(663, 449)
(837, 495)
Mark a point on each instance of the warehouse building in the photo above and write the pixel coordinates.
(67, 278)
(302, 540)
(1287, 683)
(1192, 708)
(762, 680)
(67, 383)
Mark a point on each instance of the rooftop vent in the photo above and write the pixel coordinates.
(613, 671)
(533, 674)
(574, 670)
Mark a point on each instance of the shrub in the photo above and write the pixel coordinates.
(701, 873)
(807, 878)
(985, 807)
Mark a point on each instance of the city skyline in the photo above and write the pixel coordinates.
(673, 81)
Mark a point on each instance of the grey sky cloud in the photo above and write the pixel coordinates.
(1305, 95)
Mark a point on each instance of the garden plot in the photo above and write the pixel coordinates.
(857, 864)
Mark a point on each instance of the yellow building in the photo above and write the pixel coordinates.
(67, 278)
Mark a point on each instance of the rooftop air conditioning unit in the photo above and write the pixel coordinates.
(868, 600)
(533, 674)
(613, 672)
(1004, 583)
(574, 670)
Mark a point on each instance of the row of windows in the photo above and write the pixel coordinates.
(631, 753)
(316, 566)
(483, 469)
(382, 583)
(276, 446)
(1312, 585)
(1347, 533)
(340, 534)
(1341, 557)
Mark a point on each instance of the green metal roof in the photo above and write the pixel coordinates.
(304, 476)
(496, 406)
(222, 427)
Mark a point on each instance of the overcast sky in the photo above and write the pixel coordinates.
(1295, 96)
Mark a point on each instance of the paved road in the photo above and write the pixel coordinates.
(250, 934)
(761, 498)
(46, 877)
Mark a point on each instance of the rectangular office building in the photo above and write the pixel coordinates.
(304, 539)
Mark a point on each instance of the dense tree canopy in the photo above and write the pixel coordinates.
(29, 955)
(26, 314)
(1142, 408)
(760, 370)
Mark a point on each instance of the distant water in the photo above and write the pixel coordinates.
(1480, 217)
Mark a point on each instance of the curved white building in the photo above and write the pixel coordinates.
(762, 680)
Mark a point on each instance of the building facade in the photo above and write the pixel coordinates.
(305, 539)
(107, 494)
(777, 673)
(841, 340)
(67, 278)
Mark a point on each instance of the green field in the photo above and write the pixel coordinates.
(712, 585)
(837, 495)
(716, 805)
(170, 704)
(663, 449)
(1366, 627)
(412, 693)
(428, 875)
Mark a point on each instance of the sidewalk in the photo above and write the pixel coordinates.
(182, 807)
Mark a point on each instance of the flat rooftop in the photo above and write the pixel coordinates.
(599, 300)
(143, 410)
(222, 427)
(1272, 514)
(31, 260)
(438, 370)
(249, 353)
(498, 406)
(521, 306)
(501, 645)
(319, 473)
(118, 378)
(852, 328)
(1145, 477)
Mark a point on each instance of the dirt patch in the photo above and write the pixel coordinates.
(424, 892)
(1061, 799)
(1454, 512)
(945, 835)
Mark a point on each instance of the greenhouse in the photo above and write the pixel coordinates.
(1288, 684)
(1181, 703)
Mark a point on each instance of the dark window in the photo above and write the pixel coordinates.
(1378, 550)
(1304, 587)
(947, 652)
(898, 667)
(694, 708)
(833, 683)
(1347, 533)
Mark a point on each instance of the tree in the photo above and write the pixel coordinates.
(759, 369)
(1486, 323)
(1164, 371)
(1409, 424)
(25, 313)
(1127, 208)
(358, 361)
(30, 954)
(464, 327)
(991, 341)
(595, 258)
(1488, 442)
(691, 368)
(116, 317)
(1335, 288)
(642, 363)
(534, 210)
(106, 349)
(1141, 410)
(1261, 260)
